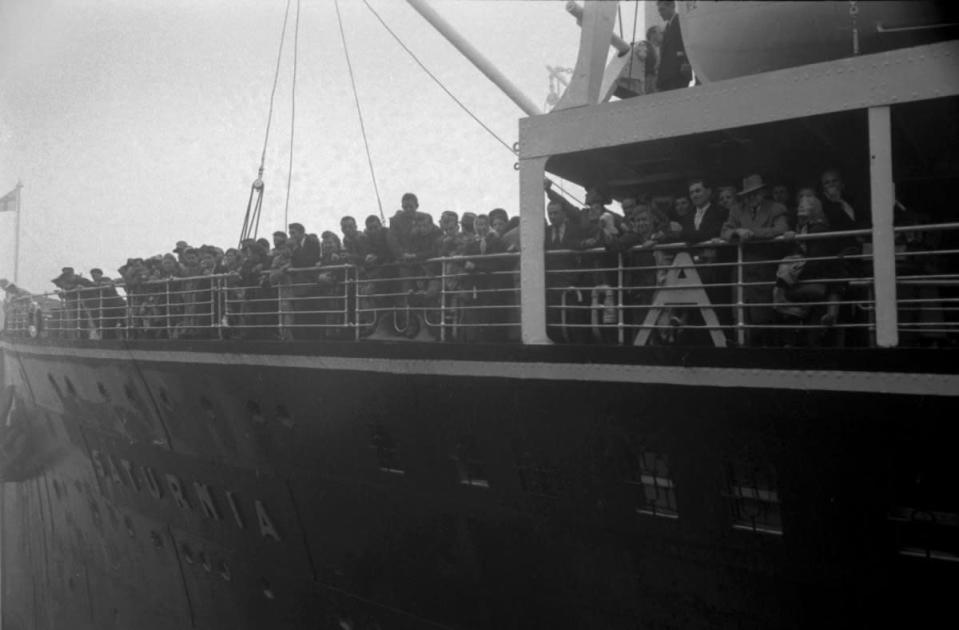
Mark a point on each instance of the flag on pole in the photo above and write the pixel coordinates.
(8, 203)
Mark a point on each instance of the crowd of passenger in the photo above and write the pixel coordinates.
(794, 291)
(294, 285)
(786, 282)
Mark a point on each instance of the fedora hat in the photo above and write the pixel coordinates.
(752, 183)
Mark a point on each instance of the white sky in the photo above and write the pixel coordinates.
(134, 124)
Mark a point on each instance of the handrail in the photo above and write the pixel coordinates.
(594, 290)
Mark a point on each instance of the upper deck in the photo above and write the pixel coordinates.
(888, 120)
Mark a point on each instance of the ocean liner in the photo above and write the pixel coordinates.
(167, 462)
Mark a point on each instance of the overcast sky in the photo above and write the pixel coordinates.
(136, 124)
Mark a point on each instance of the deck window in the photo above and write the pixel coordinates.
(754, 498)
(652, 482)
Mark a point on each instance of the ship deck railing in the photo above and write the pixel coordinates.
(713, 293)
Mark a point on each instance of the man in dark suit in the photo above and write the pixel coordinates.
(705, 225)
(561, 274)
(839, 212)
(306, 252)
(674, 69)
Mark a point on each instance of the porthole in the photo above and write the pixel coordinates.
(253, 408)
(112, 514)
(283, 415)
(267, 590)
(187, 553)
(207, 407)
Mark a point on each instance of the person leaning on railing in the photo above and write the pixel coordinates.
(639, 259)
(110, 307)
(759, 219)
(76, 307)
(279, 279)
(810, 282)
(564, 280)
(483, 316)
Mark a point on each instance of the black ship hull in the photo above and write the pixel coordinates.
(420, 486)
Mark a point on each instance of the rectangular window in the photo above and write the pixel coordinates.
(929, 534)
(537, 477)
(469, 464)
(754, 499)
(387, 456)
(654, 488)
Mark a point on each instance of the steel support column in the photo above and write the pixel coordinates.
(883, 236)
(532, 261)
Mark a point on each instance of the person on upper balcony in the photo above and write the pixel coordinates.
(279, 240)
(561, 233)
(758, 218)
(403, 228)
(356, 244)
(838, 209)
(654, 47)
(706, 222)
(598, 223)
(674, 69)
(379, 244)
(304, 252)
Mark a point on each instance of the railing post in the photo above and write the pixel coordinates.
(166, 308)
(532, 260)
(620, 299)
(358, 317)
(443, 269)
(217, 306)
(346, 297)
(740, 311)
(883, 235)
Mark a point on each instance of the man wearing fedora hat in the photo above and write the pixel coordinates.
(757, 218)
(75, 309)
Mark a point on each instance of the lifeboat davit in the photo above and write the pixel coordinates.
(731, 39)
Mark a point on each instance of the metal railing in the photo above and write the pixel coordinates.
(443, 299)
(810, 290)
(768, 292)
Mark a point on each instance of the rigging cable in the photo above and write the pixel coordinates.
(289, 173)
(359, 112)
(437, 81)
(632, 41)
(448, 93)
(619, 13)
(256, 189)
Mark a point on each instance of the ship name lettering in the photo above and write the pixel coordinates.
(127, 465)
(267, 529)
(95, 459)
(176, 489)
(114, 471)
(206, 500)
(131, 475)
(234, 507)
(152, 485)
